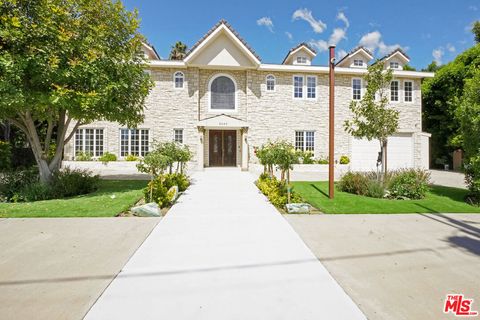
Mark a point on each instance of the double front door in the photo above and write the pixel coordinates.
(222, 148)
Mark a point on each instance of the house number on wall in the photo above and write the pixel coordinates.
(222, 123)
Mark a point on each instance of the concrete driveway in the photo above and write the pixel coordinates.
(57, 268)
(398, 266)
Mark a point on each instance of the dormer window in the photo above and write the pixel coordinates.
(394, 65)
(358, 63)
(302, 60)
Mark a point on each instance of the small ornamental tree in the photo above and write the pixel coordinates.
(372, 117)
(65, 63)
(266, 157)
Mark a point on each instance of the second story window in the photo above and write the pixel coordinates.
(358, 63)
(408, 90)
(223, 93)
(356, 89)
(311, 87)
(302, 60)
(298, 87)
(270, 83)
(394, 90)
(178, 79)
(394, 65)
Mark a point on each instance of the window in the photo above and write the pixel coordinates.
(408, 88)
(394, 91)
(134, 142)
(298, 86)
(89, 141)
(311, 87)
(358, 63)
(178, 78)
(394, 65)
(356, 89)
(302, 60)
(270, 83)
(305, 140)
(222, 93)
(178, 135)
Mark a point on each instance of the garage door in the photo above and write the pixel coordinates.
(399, 153)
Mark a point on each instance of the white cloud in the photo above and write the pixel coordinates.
(304, 14)
(267, 22)
(450, 47)
(341, 16)
(320, 45)
(473, 8)
(289, 35)
(373, 42)
(337, 35)
(438, 55)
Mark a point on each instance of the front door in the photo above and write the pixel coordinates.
(223, 148)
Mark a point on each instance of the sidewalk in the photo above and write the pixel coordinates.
(223, 252)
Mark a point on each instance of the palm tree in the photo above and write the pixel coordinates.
(179, 51)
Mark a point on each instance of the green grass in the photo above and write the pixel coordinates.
(439, 199)
(100, 203)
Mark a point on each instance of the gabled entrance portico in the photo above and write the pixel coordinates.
(222, 142)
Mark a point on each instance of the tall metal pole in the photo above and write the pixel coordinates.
(331, 126)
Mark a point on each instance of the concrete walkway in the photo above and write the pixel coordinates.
(223, 252)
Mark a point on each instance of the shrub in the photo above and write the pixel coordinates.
(71, 182)
(107, 157)
(176, 179)
(354, 182)
(322, 161)
(276, 191)
(83, 156)
(5, 156)
(472, 178)
(344, 160)
(307, 157)
(132, 157)
(13, 182)
(375, 189)
(34, 192)
(409, 184)
(159, 188)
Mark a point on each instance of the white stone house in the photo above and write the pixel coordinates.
(222, 101)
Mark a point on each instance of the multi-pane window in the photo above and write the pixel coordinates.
(408, 89)
(134, 142)
(178, 78)
(394, 91)
(270, 83)
(178, 135)
(394, 65)
(356, 89)
(298, 86)
(222, 93)
(311, 87)
(358, 63)
(305, 140)
(302, 60)
(89, 141)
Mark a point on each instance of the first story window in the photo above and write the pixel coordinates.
(356, 89)
(408, 89)
(394, 91)
(298, 86)
(305, 140)
(311, 87)
(134, 142)
(178, 135)
(89, 141)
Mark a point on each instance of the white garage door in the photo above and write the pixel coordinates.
(399, 153)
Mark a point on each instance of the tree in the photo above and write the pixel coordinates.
(476, 31)
(432, 67)
(65, 63)
(408, 67)
(178, 52)
(372, 118)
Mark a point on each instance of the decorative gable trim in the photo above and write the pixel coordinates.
(301, 46)
(355, 51)
(397, 52)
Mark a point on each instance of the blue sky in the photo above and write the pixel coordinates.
(426, 30)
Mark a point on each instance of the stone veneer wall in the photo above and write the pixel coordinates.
(270, 115)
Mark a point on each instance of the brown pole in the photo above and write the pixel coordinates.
(331, 126)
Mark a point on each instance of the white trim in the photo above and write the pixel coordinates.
(364, 51)
(413, 91)
(303, 87)
(175, 82)
(302, 47)
(306, 87)
(274, 83)
(361, 88)
(129, 141)
(398, 53)
(94, 141)
(213, 35)
(215, 76)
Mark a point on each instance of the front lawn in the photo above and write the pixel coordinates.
(112, 197)
(439, 199)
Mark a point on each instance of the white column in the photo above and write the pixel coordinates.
(244, 149)
(200, 156)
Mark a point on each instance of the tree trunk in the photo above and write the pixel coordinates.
(384, 160)
(288, 185)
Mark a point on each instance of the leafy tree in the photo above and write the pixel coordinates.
(408, 67)
(432, 67)
(372, 118)
(65, 63)
(178, 52)
(476, 31)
